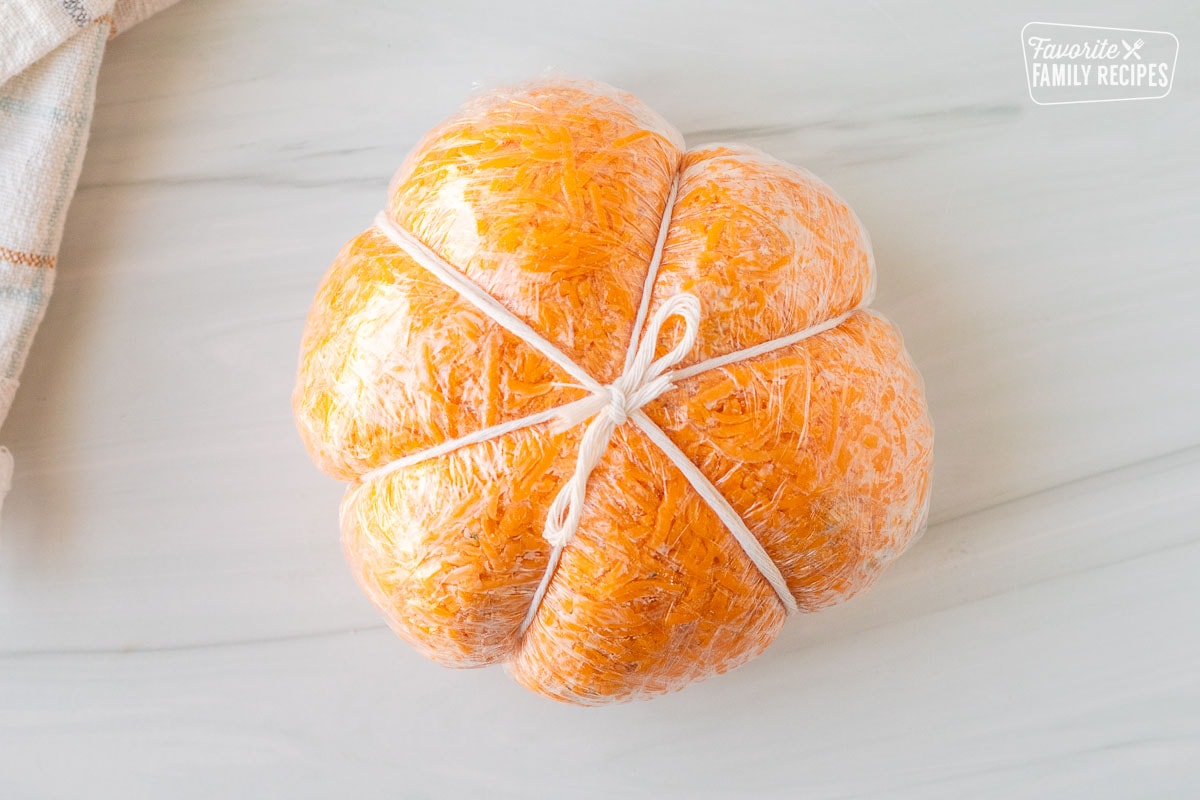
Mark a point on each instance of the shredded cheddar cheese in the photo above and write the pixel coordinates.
(549, 196)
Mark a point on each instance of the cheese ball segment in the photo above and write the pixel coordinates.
(549, 196)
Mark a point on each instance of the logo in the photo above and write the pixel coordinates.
(1086, 64)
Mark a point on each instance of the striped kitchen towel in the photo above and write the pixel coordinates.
(50, 53)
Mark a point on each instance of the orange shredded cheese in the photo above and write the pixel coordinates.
(549, 196)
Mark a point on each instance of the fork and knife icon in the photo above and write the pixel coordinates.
(1132, 49)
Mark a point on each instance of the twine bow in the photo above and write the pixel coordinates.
(644, 379)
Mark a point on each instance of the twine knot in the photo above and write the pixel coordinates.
(618, 405)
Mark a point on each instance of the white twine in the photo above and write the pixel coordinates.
(643, 379)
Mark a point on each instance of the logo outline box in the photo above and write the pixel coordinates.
(1029, 74)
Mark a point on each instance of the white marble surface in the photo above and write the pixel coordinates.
(175, 616)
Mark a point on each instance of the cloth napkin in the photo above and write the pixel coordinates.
(50, 52)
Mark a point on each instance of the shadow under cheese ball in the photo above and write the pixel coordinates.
(549, 197)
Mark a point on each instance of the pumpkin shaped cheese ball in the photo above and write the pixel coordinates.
(610, 409)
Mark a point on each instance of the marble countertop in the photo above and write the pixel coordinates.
(176, 619)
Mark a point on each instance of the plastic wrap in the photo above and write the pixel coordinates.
(549, 196)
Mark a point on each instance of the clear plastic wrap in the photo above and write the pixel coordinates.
(549, 196)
